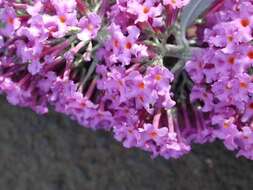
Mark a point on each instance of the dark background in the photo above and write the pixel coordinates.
(54, 153)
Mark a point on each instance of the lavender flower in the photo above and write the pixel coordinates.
(89, 25)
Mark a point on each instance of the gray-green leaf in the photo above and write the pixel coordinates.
(192, 11)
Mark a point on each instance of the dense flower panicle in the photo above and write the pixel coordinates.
(142, 92)
(31, 49)
(141, 106)
(102, 64)
(134, 98)
(222, 75)
(88, 61)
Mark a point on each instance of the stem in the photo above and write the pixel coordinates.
(170, 121)
(133, 67)
(77, 48)
(59, 47)
(91, 88)
(156, 120)
(174, 51)
(81, 6)
(88, 75)
(178, 67)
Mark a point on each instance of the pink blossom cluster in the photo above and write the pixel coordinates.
(119, 66)
(222, 74)
(91, 62)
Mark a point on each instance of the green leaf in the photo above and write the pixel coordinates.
(192, 11)
(2, 25)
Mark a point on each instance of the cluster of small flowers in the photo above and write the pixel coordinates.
(34, 46)
(91, 62)
(138, 104)
(138, 96)
(222, 74)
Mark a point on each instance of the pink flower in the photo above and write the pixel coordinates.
(90, 26)
(123, 47)
(158, 78)
(64, 19)
(150, 132)
(228, 132)
(146, 11)
(35, 67)
(127, 134)
(9, 20)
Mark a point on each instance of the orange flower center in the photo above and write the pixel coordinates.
(226, 125)
(243, 85)
(145, 10)
(231, 60)
(90, 27)
(158, 77)
(10, 20)
(245, 22)
(153, 134)
(63, 19)
(141, 85)
(250, 54)
(128, 45)
(230, 38)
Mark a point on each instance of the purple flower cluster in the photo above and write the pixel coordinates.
(137, 102)
(94, 65)
(119, 66)
(222, 74)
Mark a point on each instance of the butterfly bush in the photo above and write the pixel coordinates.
(131, 68)
(222, 74)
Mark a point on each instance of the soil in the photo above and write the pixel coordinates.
(52, 152)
